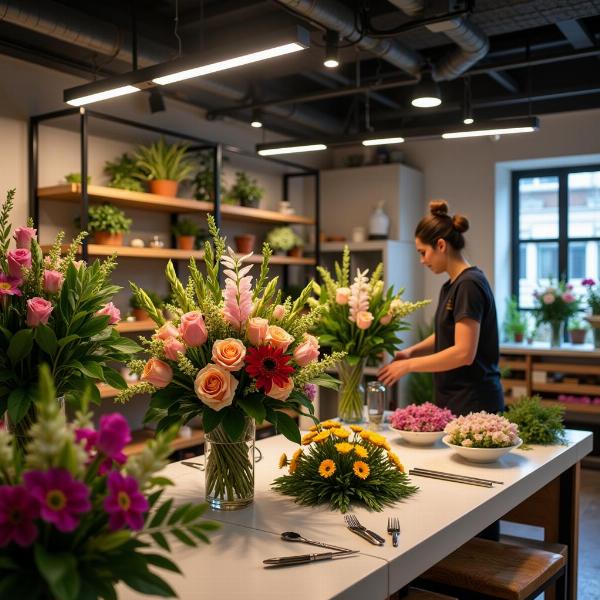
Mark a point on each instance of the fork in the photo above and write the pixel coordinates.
(354, 525)
(394, 530)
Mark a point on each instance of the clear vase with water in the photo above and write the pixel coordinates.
(351, 394)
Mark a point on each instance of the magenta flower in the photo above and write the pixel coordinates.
(113, 436)
(9, 286)
(310, 389)
(422, 417)
(588, 283)
(89, 437)
(125, 504)
(17, 513)
(61, 497)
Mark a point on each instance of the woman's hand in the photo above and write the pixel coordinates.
(393, 371)
(402, 354)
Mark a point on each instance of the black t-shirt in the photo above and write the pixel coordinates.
(476, 386)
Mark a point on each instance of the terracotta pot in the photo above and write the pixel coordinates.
(577, 336)
(245, 243)
(140, 314)
(163, 187)
(186, 242)
(296, 252)
(518, 337)
(104, 238)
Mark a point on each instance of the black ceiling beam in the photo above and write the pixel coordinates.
(577, 33)
(505, 80)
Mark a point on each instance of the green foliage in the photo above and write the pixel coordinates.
(186, 227)
(576, 323)
(555, 303)
(283, 238)
(106, 217)
(123, 173)
(76, 178)
(5, 228)
(515, 322)
(164, 161)
(538, 423)
(246, 190)
(134, 301)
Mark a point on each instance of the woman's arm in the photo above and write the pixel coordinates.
(466, 338)
(421, 348)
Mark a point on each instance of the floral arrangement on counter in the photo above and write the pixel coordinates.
(538, 423)
(421, 417)
(342, 467)
(482, 430)
(77, 516)
(593, 295)
(58, 311)
(555, 303)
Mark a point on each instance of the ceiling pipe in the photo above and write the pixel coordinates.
(472, 42)
(74, 27)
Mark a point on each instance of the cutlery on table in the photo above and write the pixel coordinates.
(292, 536)
(298, 559)
(394, 530)
(354, 526)
(485, 484)
(457, 475)
(194, 465)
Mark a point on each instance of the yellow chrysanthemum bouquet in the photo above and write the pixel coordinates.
(342, 466)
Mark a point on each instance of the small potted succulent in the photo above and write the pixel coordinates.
(246, 190)
(164, 166)
(515, 322)
(107, 224)
(577, 330)
(185, 232)
(124, 174)
(76, 178)
(137, 310)
(283, 239)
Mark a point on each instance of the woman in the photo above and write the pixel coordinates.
(463, 351)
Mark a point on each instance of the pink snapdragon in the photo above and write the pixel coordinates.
(421, 417)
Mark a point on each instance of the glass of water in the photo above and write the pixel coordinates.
(376, 394)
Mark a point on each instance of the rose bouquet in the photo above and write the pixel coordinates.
(57, 311)
(77, 517)
(421, 417)
(555, 305)
(482, 430)
(341, 467)
(361, 319)
(232, 356)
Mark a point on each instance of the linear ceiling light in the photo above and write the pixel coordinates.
(105, 95)
(499, 128)
(291, 149)
(378, 142)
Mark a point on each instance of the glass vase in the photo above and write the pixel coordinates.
(351, 393)
(229, 467)
(557, 334)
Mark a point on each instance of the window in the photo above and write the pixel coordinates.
(556, 228)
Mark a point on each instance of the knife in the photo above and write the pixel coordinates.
(298, 559)
(368, 535)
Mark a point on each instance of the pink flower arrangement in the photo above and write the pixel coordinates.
(482, 430)
(421, 417)
(555, 303)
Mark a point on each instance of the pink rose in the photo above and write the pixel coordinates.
(193, 329)
(279, 312)
(364, 319)
(215, 386)
(307, 351)
(256, 330)
(17, 261)
(171, 347)
(166, 331)
(342, 295)
(53, 281)
(38, 312)
(386, 319)
(281, 393)
(278, 337)
(568, 297)
(548, 298)
(111, 311)
(158, 373)
(23, 237)
(229, 354)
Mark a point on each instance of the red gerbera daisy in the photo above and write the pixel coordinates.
(268, 365)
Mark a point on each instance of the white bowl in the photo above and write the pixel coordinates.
(481, 455)
(420, 438)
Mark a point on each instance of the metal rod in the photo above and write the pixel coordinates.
(317, 223)
(83, 136)
(57, 114)
(34, 201)
(217, 168)
(134, 37)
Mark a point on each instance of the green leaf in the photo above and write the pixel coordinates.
(161, 540)
(67, 340)
(150, 584)
(161, 513)
(93, 326)
(158, 560)
(91, 368)
(211, 419)
(165, 397)
(19, 402)
(59, 569)
(182, 537)
(288, 427)
(326, 381)
(20, 345)
(233, 422)
(114, 378)
(125, 345)
(46, 339)
(110, 541)
(252, 405)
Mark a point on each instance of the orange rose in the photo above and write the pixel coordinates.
(279, 312)
(166, 331)
(278, 337)
(281, 393)
(215, 386)
(364, 319)
(229, 354)
(307, 351)
(256, 330)
(158, 373)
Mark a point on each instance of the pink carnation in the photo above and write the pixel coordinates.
(423, 417)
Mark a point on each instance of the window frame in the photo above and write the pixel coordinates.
(562, 173)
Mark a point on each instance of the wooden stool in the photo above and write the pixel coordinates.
(484, 569)
(413, 593)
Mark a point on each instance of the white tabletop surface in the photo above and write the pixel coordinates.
(436, 520)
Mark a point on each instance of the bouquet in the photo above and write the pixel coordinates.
(593, 295)
(231, 355)
(361, 319)
(76, 517)
(538, 423)
(341, 467)
(555, 304)
(421, 417)
(482, 430)
(53, 310)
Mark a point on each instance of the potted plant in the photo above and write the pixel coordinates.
(124, 174)
(204, 180)
(593, 300)
(577, 330)
(245, 243)
(282, 239)
(185, 232)
(107, 224)
(76, 178)
(246, 190)
(137, 310)
(164, 166)
(555, 304)
(515, 322)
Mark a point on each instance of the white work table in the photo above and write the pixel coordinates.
(435, 521)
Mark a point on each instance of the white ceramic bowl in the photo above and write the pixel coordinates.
(481, 455)
(420, 438)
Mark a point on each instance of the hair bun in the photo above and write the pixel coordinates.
(460, 223)
(438, 208)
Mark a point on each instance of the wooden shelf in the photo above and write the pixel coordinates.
(366, 246)
(569, 388)
(517, 365)
(566, 368)
(571, 408)
(71, 192)
(510, 383)
(135, 326)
